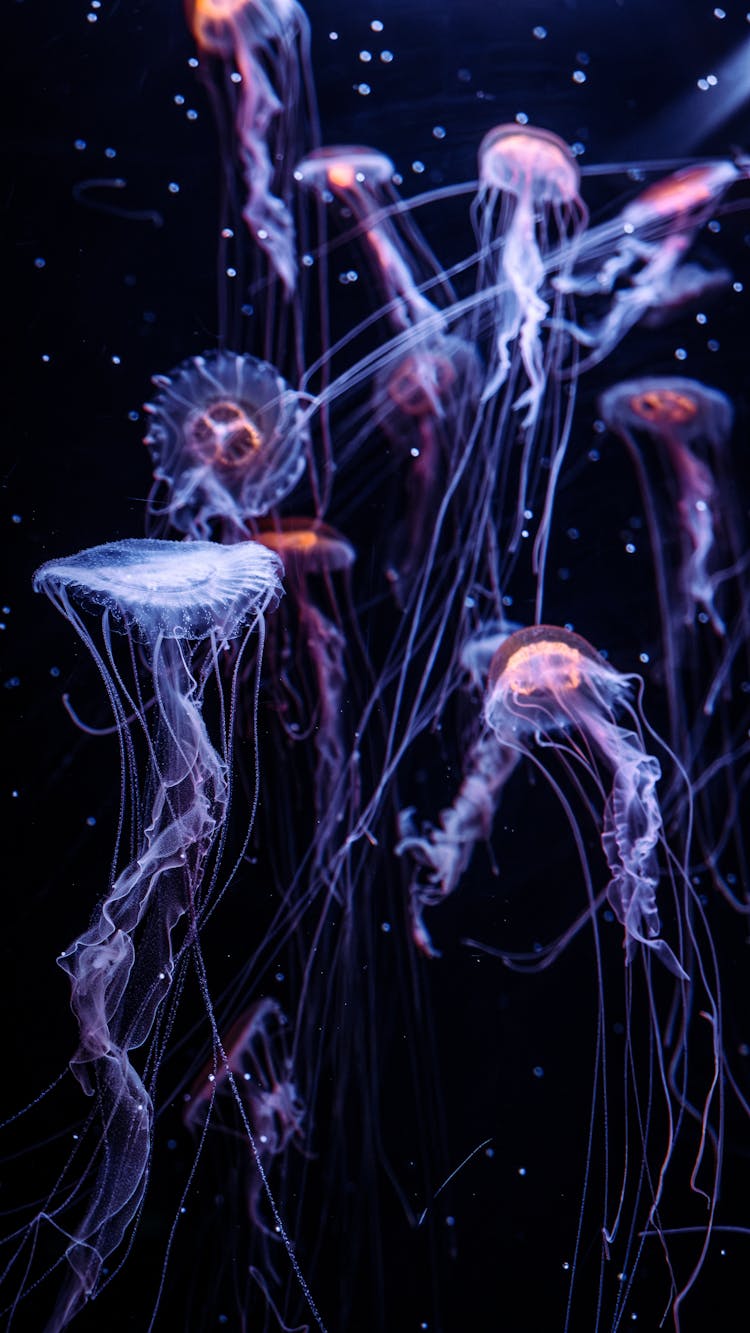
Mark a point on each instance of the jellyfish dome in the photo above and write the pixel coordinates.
(539, 677)
(229, 441)
(173, 589)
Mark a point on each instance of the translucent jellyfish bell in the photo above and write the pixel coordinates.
(162, 589)
(229, 441)
(181, 601)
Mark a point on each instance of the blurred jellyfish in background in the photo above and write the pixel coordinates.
(361, 181)
(702, 583)
(175, 607)
(252, 1082)
(267, 44)
(312, 553)
(650, 239)
(676, 413)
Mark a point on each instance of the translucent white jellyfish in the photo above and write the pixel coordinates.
(529, 196)
(267, 41)
(167, 610)
(229, 440)
(683, 417)
(639, 255)
(312, 551)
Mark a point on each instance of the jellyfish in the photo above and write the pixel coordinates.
(257, 1059)
(361, 179)
(528, 216)
(531, 177)
(678, 413)
(312, 552)
(268, 41)
(551, 699)
(423, 401)
(543, 681)
(229, 441)
(172, 607)
(691, 424)
(651, 236)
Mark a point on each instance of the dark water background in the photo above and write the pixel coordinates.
(100, 302)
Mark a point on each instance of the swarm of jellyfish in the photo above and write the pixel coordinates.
(339, 664)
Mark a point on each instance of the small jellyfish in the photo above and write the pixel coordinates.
(268, 42)
(679, 414)
(527, 178)
(253, 1066)
(166, 611)
(229, 440)
(311, 553)
(361, 179)
(651, 237)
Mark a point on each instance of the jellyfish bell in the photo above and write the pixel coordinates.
(161, 589)
(229, 440)
(526, 161)
(307, 546)
(687, 191)
(659, 404)
(344, 169)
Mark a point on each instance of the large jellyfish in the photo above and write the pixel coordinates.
(545, 680)
(229, 440)
(691, 426)
(167, 611)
